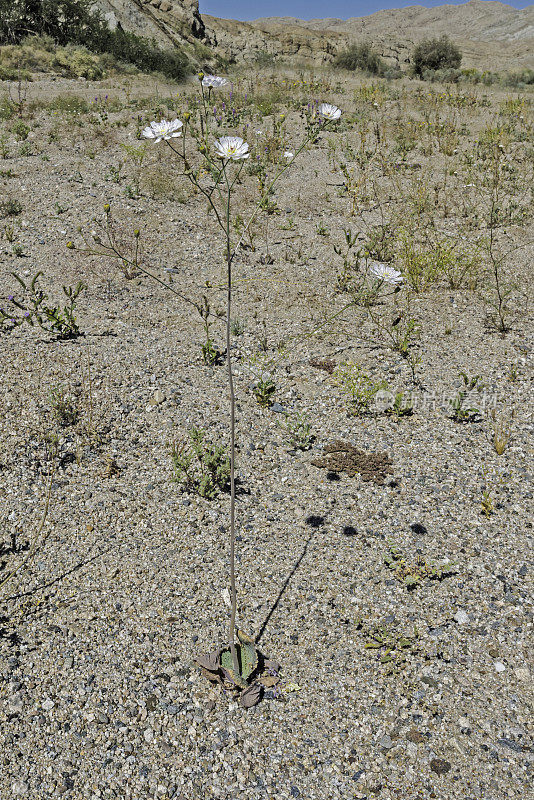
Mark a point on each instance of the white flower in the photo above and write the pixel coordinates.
(163, 130)
(213, 81)
(288, 154)
(231, 147)
(329, 112)
(385, 273)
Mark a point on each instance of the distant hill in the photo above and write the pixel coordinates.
(491, 35)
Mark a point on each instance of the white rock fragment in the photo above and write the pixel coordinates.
(19, 788)
(461, 617)
(148, 735)
(48, 704)
(499, 666)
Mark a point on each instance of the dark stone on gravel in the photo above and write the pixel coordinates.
(440, 766)
(414, 736)
(510, 744)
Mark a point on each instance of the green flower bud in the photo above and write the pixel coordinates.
(137, 233)
(70, 246)
(200, 76)
(107, 208)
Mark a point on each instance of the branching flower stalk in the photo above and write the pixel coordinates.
(230, 149)
(218, 164)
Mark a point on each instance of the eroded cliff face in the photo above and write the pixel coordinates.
(243, 41)
(500, 40)
(169, 22)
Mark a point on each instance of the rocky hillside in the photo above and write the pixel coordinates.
(169, 22)
(492, 35)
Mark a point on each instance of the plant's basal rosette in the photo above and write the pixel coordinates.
(385, 273)
(329, 111)
(163, 130)
(231, 147)
(213, 82)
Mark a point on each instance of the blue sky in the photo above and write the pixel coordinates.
(309, 9)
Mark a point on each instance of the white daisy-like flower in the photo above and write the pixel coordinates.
(163, 130)
(213, 82)
(288, 154)
(329, 111)
(232, 148)
(385, 273)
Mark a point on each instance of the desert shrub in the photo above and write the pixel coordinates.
(436, 54)
(79, 22)
(69, 104)
(264, 60)
(524, 77)
(362, 57)
(448, 75)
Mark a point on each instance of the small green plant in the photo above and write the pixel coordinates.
(238, 327)
(9, 233)
(359, 389)
(412, 574)
(248, 675)
(460, 412)
(400, 407)
(211, 354)
(4, 145)
(487, 506)
(392, 646)
(32, 308)
(264, 390)
(201, 466)
(351, 261)
(501, 426)
(20, 130)
(18, 250)
(10, 207)
(65, 406)
(298, 429)
(402, 335)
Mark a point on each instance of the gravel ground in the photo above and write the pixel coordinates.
(99, 697)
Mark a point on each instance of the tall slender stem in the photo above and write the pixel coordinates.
(233, 590)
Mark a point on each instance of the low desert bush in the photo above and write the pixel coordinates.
(75, 25)
(360, 57)
(436, 54)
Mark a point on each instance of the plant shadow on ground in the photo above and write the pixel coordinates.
(315, 522)
(8, 630)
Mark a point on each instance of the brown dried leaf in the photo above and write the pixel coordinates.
(214, 677)
(210, 661)
(269, 680)
(251, 696)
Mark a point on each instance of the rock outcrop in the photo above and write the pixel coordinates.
(169, 22)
